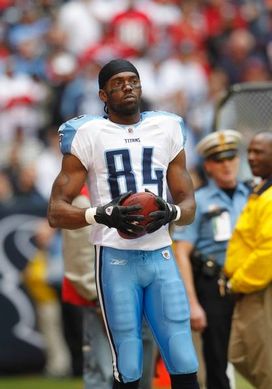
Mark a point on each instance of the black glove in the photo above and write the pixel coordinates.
(120, 217)
(166, 214)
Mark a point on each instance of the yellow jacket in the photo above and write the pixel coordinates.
(35, 277)
(248, 262)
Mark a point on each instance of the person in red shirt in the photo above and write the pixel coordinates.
(132, 28)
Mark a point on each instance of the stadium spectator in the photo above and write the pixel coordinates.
(163, 13)
(42, 276)
(256, 69)
(190, 26)
(22, 101)
(6, 190)
(47, 163)
(221, 18)
(239, 45)
(25, 187)
(62, 69)
(188, 78)
(248, 267)
(77, 20)
(201, 116)
(79, 289)
(132, 28)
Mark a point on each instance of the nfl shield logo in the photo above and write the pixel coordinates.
(166, 254)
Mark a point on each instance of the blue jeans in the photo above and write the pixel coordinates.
(149, 360)
(97, 365)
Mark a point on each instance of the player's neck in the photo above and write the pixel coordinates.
(125, 119)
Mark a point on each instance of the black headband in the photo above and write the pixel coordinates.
(114, 67)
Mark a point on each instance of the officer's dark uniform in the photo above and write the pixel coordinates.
(216, 214)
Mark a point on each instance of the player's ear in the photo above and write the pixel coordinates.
(102, 95)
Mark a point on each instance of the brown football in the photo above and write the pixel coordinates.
(148, 203)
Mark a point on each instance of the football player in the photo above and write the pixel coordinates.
(124, 152)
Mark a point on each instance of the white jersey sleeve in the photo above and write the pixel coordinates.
(178, 137)
(75, 139)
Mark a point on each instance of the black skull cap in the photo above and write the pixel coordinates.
(114, 67)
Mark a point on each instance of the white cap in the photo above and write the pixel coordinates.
(219, 144)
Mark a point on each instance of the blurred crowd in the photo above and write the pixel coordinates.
(188, 52)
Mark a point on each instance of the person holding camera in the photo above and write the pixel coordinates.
(201, 247)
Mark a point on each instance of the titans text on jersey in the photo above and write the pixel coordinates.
(136, 158)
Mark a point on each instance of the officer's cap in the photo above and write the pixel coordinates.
(219, 145)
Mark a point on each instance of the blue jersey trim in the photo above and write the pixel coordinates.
(66, 136)
(67, 131)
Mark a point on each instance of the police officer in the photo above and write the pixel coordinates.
(201, 247)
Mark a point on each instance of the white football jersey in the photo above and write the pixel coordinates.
(122, 158)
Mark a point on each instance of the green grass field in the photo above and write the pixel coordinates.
(26, 382)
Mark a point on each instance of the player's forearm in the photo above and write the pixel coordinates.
(64, 215)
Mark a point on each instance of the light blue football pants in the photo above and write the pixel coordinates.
(134, 283)
(97, 367)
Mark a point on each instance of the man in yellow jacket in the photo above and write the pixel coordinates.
(248, 267)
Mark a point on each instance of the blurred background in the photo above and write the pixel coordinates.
(188, 53)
